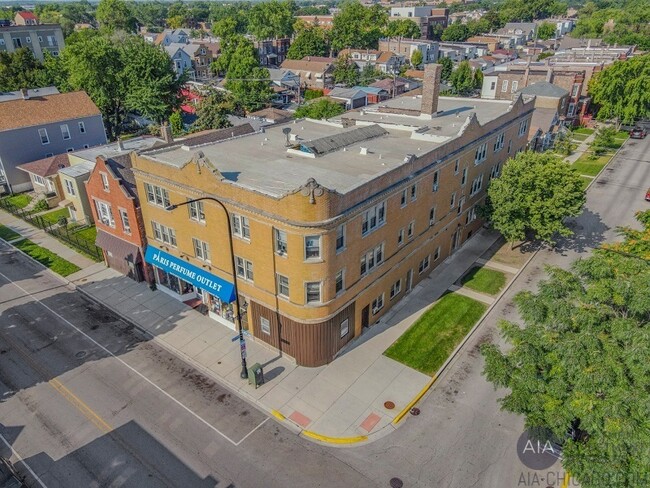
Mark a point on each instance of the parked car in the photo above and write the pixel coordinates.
(638, 133)
(647, 195)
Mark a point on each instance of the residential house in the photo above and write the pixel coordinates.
(384, 61)
(272, 52)
(44, 177)
(314, 72)
(425, 17)
(172, 36)
(406, 48)
(551, 102)
(492, 43)
(201, 57)
(25, 17)
(396, 86)
(520, 32)
(37, 127)
(334, 222)
(460, 51)
(374, 94)
(181, 59)
(351, 97)
(38, 38)
(323, 21)
(271, 115)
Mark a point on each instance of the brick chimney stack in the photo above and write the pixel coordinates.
(430, 89)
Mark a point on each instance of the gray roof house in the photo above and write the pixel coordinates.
(39, 38)
(181, 59)
(33, 128)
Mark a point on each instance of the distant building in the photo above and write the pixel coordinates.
(406, 48)
(314, 72)
(45, 179)
(384, 61)
(425, 17)
(172, 36)
(181, 59)
(38, 38)
(272, 52)
(33, 128)
(323, 21)
(25, 17)
(521, 31)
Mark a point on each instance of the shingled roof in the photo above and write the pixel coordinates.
(47, 166)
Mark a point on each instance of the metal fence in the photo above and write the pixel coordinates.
(62, 233)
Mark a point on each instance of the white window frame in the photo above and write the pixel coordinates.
(345, 328)
(436, 181)
(196, 212)
(395, 289)
(414, 192)
(477, 184)
(481, 153)
(65, 130)
(515, 85)
(523, 127)
(504, 86)
(104, 178)
(373, 218)
(164, 234)
(410, 230)
(69, 187)
(499, 142)
(314, 248)
(371, 259)
(244, 268)
(39, 179)
(280, 241)
(105, 213)
(463, 178)
(82, 128)
(436, 254)
(124, 217)
(282, 282)
(308, 284)
(400, 237)
(424, 264)
(241, 227)
(571, 111)
(265, 325)
(404, 198)
(432, 216)
(377, 304)
(339, 278)
(340, 238)
(42, 133)
(452, 202)
(201, 249)
(456, 166)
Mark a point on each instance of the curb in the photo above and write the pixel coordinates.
(334, 440)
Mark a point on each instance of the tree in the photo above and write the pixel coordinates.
(369, 75)
(478, 79)
(176, 123)
(456, 33)
(582, 361)
(320, 109)
(416, 58)
(309, 42)
(635, 241)
(20, 69)
(447, 68)
(463, 79)
(563, 144)
(534, 195)
(527, 11)
(357, 26)
(546, 30)
(213, 110)
(436, 31)
(345, 71)
(621, 90)
(115, 15)
(403, 28)
(271, 19)
(603, 141)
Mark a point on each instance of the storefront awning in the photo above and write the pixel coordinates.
(190, 273)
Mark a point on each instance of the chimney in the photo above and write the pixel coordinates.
(430, 89)
(120, 146)
(25, 93)
(166, 133)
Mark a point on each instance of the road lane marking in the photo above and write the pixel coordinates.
(21, 460)
(177, 402)
(79, 404)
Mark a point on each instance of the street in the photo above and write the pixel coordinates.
(86, 401)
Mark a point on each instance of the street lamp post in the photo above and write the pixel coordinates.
(238, 312)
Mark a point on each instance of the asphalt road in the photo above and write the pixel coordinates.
(85, 401)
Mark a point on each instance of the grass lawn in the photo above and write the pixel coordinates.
(622, 134)
(427, 344)
(7, 234)
(585, 181)
(54, 216)
(47, 258)
(583, 130)
(484, 280)
(21, 200)
(586, 166)
(579, 137)
(88, 234)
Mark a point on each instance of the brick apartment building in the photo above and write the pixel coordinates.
(334, 221)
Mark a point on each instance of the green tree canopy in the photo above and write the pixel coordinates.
(546, 30)
(583, 358)
(621, 90)
(345, 71)
(478, 79)
(150, 14)
(115, 15)
(534, 195)
(20, 69)
(416, 58)
(527, 11)
(462, 79)
(271, 19)
(369, 74)
(456, 33)
(309, 42)
(447, 68)
(403, 28)
(213, 110)
(356, 26)
(319, 109)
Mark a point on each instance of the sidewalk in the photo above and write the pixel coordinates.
(582, 148)
(342, 402)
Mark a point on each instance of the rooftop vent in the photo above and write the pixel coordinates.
(364, 151)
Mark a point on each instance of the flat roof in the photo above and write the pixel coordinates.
(113, 149)
(78, 169)
(262, 161)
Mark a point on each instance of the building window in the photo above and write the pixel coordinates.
(70, 149)
(575, 90)
(463, 178)
(371, 259)
(410, 230)
(340, 238)
(345, 327)
(452, 201)
(373, 218)
(395, 289)
(39, 179)
(377, 304)
(283, 286)
(571, 110)
(499, 142)
(414, 192)
(400, 237)
(424, 265)
(509, 146)
(436, 178)
(312, 292)
(402, 201)
(280, 238)
(504, 86)
(515, 85)
(241, 227)
(44, 137)
(471, 215)
(201, 249)
(244, 268)
(312, 247)
(476, 185)
(436, 254)
(104, 213)
(69, 187)
(164, 234)
(460, 206)
(456, 166)
(82, 128)
(493, 85)
(265, 325)
(432, 216)
(124, 216)
(65, 132)
(495, 170)
(104, 178)
(480, 154)
(523, 127)
(196, 211)
(339, 282)
(157, 195)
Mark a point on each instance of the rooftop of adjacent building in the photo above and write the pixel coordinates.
(339, 158)
(118, 148)
(78, 169)
(32, 92)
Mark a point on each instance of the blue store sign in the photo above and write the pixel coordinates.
(190, 273)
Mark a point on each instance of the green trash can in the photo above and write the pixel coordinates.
(256, 375)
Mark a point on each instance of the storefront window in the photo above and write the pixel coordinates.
(174, 283)
(219, 307)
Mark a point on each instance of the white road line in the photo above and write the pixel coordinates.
(31, 471)
(132, 369)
